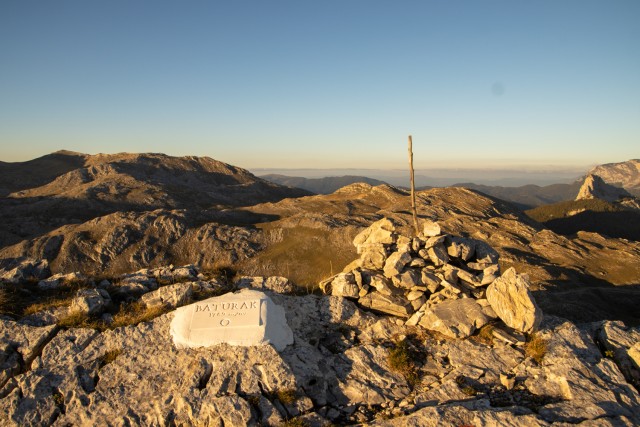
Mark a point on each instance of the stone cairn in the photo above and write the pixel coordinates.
(440, 282)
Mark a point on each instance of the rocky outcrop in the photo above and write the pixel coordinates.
(337, 370)
(625, 174)
(434, 279)
(594, 187)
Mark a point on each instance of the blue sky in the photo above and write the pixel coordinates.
(324, 84)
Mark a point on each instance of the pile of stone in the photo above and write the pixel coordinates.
(441, 282)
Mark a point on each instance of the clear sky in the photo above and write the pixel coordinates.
(324, 84)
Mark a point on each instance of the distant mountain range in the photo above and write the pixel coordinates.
(326, 185)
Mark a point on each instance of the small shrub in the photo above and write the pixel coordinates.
(58, 398)
(254, 400)
(536, 347)
(109, 357)
(469, 391)
(401, 360)
(295, 422)
(287, 396)
(609, 354)
(485, 334)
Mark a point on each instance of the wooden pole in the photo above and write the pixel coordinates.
(413, 188)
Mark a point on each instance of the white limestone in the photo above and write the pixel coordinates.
(245, 318)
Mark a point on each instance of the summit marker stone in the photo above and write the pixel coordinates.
(245, 318)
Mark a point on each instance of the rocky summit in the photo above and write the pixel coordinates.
(144, 289)
(419, 330)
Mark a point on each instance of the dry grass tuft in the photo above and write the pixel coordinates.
(485, 334)
(287, 396)
(536, 347)
(295, 422)
(74, 319)
(109, 357)
(134, 313)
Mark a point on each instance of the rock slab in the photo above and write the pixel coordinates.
(245, 318)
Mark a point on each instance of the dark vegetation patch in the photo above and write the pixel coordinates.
(594, 215)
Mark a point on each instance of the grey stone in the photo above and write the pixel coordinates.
(396, 263)
(455, 318)
(344, 285)
(170, 296)
(381, 231)
(390, 304)
(90, 301)
(431, 228)
(513, 302)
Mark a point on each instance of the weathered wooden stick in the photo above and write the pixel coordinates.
(413, 188)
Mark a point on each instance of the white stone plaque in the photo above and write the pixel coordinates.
(245, 318)
(224, 314)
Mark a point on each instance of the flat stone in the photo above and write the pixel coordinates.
(455, 318)
(390, 304)
(245, 318)
(413, 295)
(170, 296)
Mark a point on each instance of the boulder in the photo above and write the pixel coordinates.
(396, 263)
(438, 255)
(431, 228)
(381, 231)
(344, 285)
(454, 318)
(90, 301)
(383, 285)
(511, 299)
(373, 256)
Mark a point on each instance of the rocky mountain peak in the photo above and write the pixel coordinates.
(624, 174)
(594, 187)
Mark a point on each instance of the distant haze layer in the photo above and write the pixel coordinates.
(444, 177)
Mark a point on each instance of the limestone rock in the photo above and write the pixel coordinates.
(170, 296)
(396, 263)
(22, 269)
(381, 231)
(455, 318)
(90, 301)
(431, 228)
(344, 285)
(390, 304)
(513, 302)
(278, 284)
(438, 255)
(594, 187)
(373, 256)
